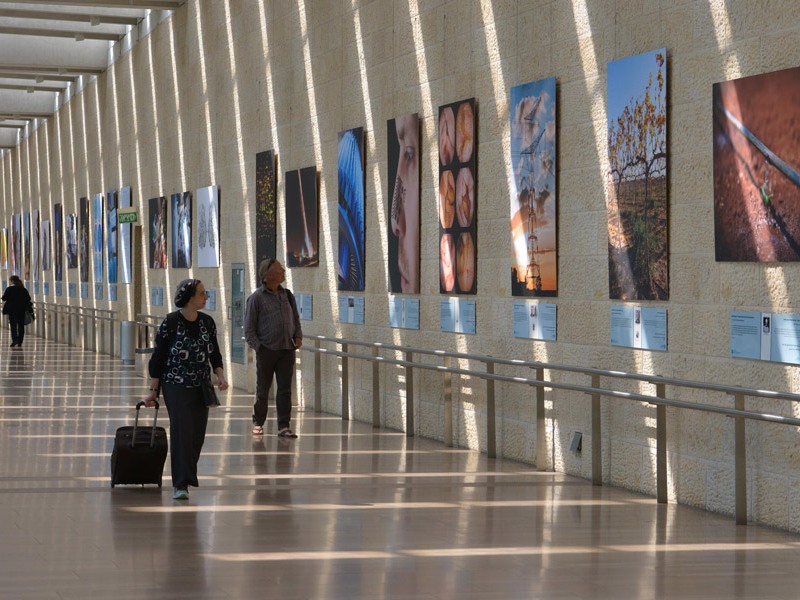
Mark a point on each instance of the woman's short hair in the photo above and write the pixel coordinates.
(185, 291)
(264, 267)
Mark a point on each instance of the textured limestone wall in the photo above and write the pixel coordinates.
(194, 102)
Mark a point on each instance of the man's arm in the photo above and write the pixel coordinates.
(298, 328)
(251, 322)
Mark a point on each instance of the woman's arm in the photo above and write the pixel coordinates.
(157, 362)
(215, 356)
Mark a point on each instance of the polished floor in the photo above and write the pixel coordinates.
(345, 511)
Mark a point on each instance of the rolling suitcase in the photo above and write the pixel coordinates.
(139, 453)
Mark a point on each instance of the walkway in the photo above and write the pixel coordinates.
(346, 511)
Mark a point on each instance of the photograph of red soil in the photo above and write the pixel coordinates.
(757, 203)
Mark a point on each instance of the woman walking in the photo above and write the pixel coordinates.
(186, 351)
(16, 301)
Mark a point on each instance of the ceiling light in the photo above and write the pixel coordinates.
(79, 37)
(94, 21)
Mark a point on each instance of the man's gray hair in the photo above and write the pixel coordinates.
(264, 267)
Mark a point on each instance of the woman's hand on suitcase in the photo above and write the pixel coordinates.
(150, 400)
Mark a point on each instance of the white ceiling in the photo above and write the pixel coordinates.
(50, 48)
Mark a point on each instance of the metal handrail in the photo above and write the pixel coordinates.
(144, 327)
(660, 401)
(87, 314)
(655, 379)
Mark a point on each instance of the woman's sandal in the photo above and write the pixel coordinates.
(287, 433)
(258, 430)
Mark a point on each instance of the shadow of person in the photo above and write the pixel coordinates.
(272, 489)
(16, 361)
(185, 573)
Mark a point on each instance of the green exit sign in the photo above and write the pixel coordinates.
(130, 216)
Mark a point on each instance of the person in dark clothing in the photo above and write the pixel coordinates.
(272, 328)
(186, 351)
(16, 300)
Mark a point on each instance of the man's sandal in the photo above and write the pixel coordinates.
(258, 430)
(287, 433)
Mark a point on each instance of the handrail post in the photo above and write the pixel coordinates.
(345, 387)
(541, 424)
(597, 452)
(85, 330)
(661, 446)
(376, 389)
(317, 378)
(448, 404)
(111, 336)
(741, 463)
(409, 396)
(491, 441)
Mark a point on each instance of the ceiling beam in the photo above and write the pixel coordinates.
(62, 16)
(52, 69)
(61, 33)
(25, 116)
(44, 77)
(33, 88)
(135, 4)
(7, 126)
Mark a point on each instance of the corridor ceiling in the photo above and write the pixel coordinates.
(45, 46)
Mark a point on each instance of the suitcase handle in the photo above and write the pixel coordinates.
(139, 405)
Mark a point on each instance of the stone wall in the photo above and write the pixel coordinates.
(193, 103)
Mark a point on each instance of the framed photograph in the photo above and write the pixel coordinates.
(112, 236)
(403, 218)
(97, 237)
(266, 207)
(458, 198)
(158, 232)
(534, 226)
(638, 252)
(208, 226)
(84, 261)
(756, 163)
(351, 265)
(58, 241)
(302, 218)
(182, 230)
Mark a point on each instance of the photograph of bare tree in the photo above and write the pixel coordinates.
(638, 253)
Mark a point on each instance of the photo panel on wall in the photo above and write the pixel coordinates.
(112, 240)
(403, 218)
(181, 230)
(266, 206)
(97, 237)
(58, 241)
(84, 260)
(756, 162)
(35, 236)
(3, 248)
(534, 228)
(638, 252)
(158, 232)
(351, 266)
(302, 218)
(458, 198)
(208, 226)
(71, 229)
(125, 248)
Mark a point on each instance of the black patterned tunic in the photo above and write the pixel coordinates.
(184, 350)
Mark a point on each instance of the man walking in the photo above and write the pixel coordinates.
(272, 328)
